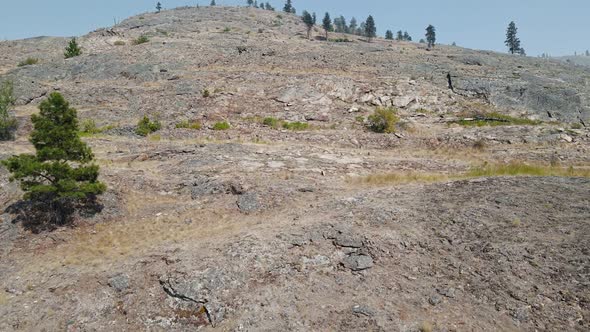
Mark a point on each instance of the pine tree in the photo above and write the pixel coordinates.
(370, 28)
(407, 36)
(250, 3)
(327, 24)
(60, 174)
(159, 7)
(587, 53)
(255, 3)
(288, 8)
(73, 49)
(422, 41)
(431, 36)
(512, 40)
(308, 20)
(314, 18)
(352, 26)
(400, 36)
(7, 122)
(389, 35)
(212, 3)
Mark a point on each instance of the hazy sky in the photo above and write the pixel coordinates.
(558, 27)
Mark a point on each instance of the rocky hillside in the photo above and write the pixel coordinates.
(473, 215)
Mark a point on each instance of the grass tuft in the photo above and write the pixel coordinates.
(28, 62)
(495, 119)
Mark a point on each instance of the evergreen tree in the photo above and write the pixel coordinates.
(400, 36)
(431, 36)
(73, 49)
(389, 35)
(288, 8)
(327, 24)
(308, 20)
(250, 3)
(314, 18)
(352, 26)
(370, 28)
(255, 3)
(269, 7)
(512, 40)
(521, 51)
(158, 7)
(587, 53)
(407, 36)
(213, 3)
(61, 173)
(361, 29)
(422, 41)
(7, 122)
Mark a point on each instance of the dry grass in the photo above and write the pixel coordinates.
(486, 170)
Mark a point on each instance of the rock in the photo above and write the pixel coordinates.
(318, 260)
(566, 138)
(119, 282)
(362, 310)
(347, 240)
(248, 202)
(435, 299)
(357, 262)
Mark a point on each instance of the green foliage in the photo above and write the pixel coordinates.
(226, 29)
(271, 122)
(308, 20)
(296, 126)
(340, 40)
(221, 126)
(141, 40)
(7, 122)
(61, 170)
(28, 62)
(73, 49)
(370, 28)
(512, 40)
(431, 36)
(158, 7)
(146, 127)
(389, 35)
(89, 127)
(213, 3)
(495, 119)
(196, 125)
(119, 43)
(327, 24)
(288, 8)
(206, 93)
(383, 120)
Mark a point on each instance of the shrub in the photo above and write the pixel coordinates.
(383, 120)
(495, 119)
(73, 49)
(141, 40)
(7, 122)
(89, 127)
(119, 43)
(221, 126)
(206, 93)
(146, 127)
(226, 29)
(270, 122)
(295, 126)
(28, 62)
(196, 125)
(60, 175)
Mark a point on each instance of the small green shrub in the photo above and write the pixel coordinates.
(383, 120)
(221, 126)
(359, 119)
(206, 93)
(141, 40)
(271, 122)
(89, 127)
(196, 125)
(119, 43)
(340, 40)
(226, 29)
(577, 125)
(495, 119)
(296, 126)
(73, 49)
(8, 122)
(28, 62)
(146, 127)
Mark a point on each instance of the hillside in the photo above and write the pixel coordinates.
(474, 215)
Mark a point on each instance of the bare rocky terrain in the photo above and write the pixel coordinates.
(268, 229)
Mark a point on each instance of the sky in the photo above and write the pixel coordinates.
(556, 27)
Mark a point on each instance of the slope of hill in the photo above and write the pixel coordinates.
(473, 215)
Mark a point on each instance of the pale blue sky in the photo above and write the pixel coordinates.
(558, 27)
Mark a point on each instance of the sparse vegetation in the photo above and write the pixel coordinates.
(495, 119)
(226, 29)
(7, 121)
(196, 125)
(141, 40)
(206, 93)
(119, 43)
(223, 125)
(146, 127)
(28, 62)
(271, 122)
(73, 49)
(383, 120)
(296, 126)
(89, 128)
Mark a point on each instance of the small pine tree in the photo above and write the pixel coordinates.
(512, 40)
(587, 53)
(308, 20)
(7, 122)
(389, 35)
(400, 36)
(431, 36)
(327, 24)
(370, 28)
(73, 49)
(422, 41)
(212, 3)
(158, 7)
(314, 18)
(250, 3)
(61, 173)
(288, 8)
(407, 36)
(352, 26)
